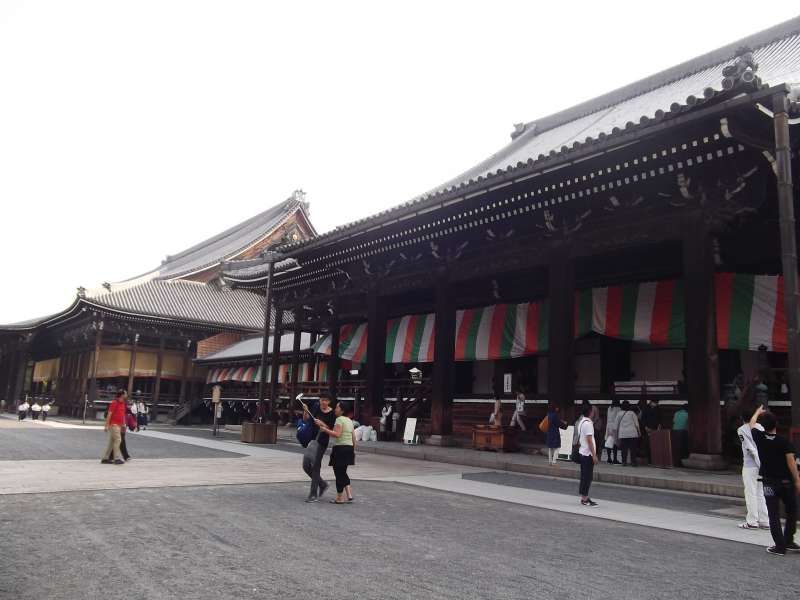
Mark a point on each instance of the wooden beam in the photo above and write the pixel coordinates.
(334, 364)
(295, 364)
(157, 384)
(98, 342)
(376, 356)
(444, 360)
(187, 363)
(561, 333)
(275, 358)
(132, 366)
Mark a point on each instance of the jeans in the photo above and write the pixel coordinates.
(629, 444)
(317, 482)
(754, 497)
(587, 470)
(774, 494)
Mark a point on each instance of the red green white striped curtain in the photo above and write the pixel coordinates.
(750, 312)
(501, 331)
(352, 343)
(652, 312)
(410, 339)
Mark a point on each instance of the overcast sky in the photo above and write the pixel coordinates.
(132, 130)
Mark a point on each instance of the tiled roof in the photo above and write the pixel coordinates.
(187, 301)
(246, 270)
(252, 347)
(229, 243)
(638, 105)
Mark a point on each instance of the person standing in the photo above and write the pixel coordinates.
(519, 412)
(680, 423)
(141, 412)
(325, 414)
(343, 453)
(651, 420)
(22, 410)
(45, 410)
(134, 410)
(554, 427)
(629, 432)
(757, 516)
(588, 454)
(780, 478)
(611, 438)
(496, 418)
(36, 410)
(115, 421)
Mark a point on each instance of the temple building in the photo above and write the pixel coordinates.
(145, 333)
(633, 245)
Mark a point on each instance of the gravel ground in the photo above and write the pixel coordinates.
(396, 541)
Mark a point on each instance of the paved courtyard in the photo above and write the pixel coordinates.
(191, 517)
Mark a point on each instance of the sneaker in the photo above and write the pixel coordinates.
(312, 499)
(774, 550)
(106, 461)
(792, 547)
(588, 502)
(119, 461)
(747, 525)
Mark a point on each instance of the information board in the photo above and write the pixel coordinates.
(408, 434)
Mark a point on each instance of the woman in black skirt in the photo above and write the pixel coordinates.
(343, 453)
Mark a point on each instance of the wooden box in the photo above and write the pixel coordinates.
(259, 433)
(491, 437)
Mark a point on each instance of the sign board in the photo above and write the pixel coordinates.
(216, 394)
(408, 434)
(566, 442)
(507, 383)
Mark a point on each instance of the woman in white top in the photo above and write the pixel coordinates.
(45, 410)
(519, 412)
(629, 432)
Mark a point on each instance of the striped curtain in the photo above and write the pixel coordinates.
(352, 343)
(501, 331)
(652, 313)
(750, 312)
(410, 339)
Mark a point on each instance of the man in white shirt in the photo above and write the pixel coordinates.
(587, 452)
(22, 410)
(45, 410)
(757, 516)
(141, 414)
(36, 409)
(519, 412)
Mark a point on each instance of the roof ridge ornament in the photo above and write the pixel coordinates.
(742, 71)
(520, 128)
(81, 292)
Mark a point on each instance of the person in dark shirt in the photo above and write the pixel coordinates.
(781, 481)
(325, 414)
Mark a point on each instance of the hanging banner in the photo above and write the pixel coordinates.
(652, 313)
(501, 331)
(410, 339)
(750, 312)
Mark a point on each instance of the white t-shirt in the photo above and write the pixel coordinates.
(520, 405)
(585, 429)
(46, 408)
(750, 458)
(36, 407)
(24, 406)
(134, 408)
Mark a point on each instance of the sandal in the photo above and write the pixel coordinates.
(336, 502)
(746, 525)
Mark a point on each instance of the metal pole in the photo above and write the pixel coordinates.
(262, 388)
(783, 171)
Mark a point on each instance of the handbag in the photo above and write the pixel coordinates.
(575, 455)
(544, 424)
(310, 455)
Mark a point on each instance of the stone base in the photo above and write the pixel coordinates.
(705, 462)
(440, 440)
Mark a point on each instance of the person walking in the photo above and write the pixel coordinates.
(115, 421)
(629, 432)
(757, 516)
(141, 412)
(588, 454)
(611, 438)
(133, 408)
(519, 412)
(325, 414)
(22, 410)
(36, 410)
(554, 427)
(496, 418)
(780, 478)
(342, 454)
(45, 410)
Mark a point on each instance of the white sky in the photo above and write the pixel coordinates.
(132, 130)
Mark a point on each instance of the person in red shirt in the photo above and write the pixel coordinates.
(115, 421)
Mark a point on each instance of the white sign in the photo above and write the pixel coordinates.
(408, 434)
(507, 383)
(566, 442)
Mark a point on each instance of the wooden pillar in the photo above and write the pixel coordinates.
(84, 368)
(295, 363)
(702, 363)
(157, 385)
(132, 367)
(334, 364)
(376, 356)
(98, 341)
(443, 364)
(187, 363)
(561, 334)
(276, 355)
(9, 378)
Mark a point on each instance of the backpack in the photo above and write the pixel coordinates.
(305, 432)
